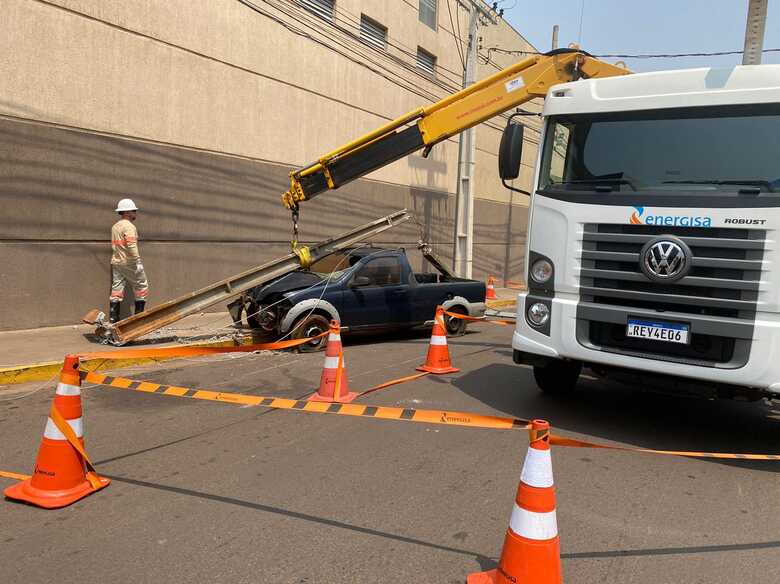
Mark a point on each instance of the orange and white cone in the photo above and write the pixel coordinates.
(490, 292)
(531, 547)
(334, 384)
(438, 359)
(63, 473)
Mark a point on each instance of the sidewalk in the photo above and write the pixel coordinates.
(53, 343)
(36, 354)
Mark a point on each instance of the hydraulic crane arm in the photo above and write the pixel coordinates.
(425, 127)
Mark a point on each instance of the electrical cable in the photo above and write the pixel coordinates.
(395, 80)
(458, 40)
(634, 55)
(392, 41)
(297, 31)
(448, 88)
(348, 16)
(302, 12)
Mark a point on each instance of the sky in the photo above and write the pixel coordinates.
(645, 26)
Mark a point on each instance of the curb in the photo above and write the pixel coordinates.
(50, 369)
(501, 303)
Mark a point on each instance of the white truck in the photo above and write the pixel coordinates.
(652, 246)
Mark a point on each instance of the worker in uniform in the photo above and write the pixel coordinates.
(126, 266)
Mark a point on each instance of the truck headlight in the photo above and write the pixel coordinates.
(541, 271)
(538, 314)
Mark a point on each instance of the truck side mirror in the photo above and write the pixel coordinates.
(359, 281)
(510, 151)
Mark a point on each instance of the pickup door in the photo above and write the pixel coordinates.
(377, 294)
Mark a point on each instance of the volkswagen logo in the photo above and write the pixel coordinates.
(665, 259)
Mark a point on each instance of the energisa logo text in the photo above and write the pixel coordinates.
(639, 217)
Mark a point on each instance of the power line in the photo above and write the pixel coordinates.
(392, 79)
(306, 19)
(449, 85)
(360, 46)
(458, 46)
(631, 56)
(392, 41)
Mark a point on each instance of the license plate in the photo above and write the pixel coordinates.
(658, 331)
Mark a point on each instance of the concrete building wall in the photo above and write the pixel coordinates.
(198, 109)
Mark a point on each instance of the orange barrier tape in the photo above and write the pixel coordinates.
(514, 285)
(196, 351)
(14, 475)
(393, 382)
(383, 412)
(478, 319)
(67, 431)
(572, 443)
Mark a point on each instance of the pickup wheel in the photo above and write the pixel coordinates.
(558, 378)
(455, 326)
(311, 326)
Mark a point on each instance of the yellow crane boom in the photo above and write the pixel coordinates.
(426, 127)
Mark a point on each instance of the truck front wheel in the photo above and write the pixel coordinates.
(311, 326)
(557, 377)
(456, 327)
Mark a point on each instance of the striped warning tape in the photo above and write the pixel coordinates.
(572, 443)
(388, 413)
(449, 418)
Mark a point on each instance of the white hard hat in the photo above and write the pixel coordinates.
(126, 205)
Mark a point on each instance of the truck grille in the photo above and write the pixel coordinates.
(723, 284)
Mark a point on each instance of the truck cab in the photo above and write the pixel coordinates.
(652, 246)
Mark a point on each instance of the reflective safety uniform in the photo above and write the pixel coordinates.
(126, 266)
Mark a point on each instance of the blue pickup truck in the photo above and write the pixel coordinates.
(365, 289)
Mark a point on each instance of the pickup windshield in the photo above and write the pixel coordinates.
(717, 150)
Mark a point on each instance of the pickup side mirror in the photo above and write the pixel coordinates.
(359, 281)
(510, 151)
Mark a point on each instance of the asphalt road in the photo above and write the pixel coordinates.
(213, 493)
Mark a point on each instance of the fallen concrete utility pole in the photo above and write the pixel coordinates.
(155, 318)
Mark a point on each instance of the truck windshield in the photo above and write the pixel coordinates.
(721, 151)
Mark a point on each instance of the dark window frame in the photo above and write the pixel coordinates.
(396, 265)
(316, 7)
(369, 38)
(424, 69)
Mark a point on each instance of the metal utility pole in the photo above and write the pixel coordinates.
(464, 199)
(555, 37)
(754, 32)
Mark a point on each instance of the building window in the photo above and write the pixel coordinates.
(428, 12)
(323, 8)
(372, 32)
(426, 61)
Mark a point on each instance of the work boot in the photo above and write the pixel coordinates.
(113, 314)
(139, 306)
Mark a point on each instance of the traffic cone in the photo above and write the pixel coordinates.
(63, 473)
(438, 359)
(490, 292)
(334, 384)
(531, 547)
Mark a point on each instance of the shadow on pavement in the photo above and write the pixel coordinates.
(615, 412)
(482, 560)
